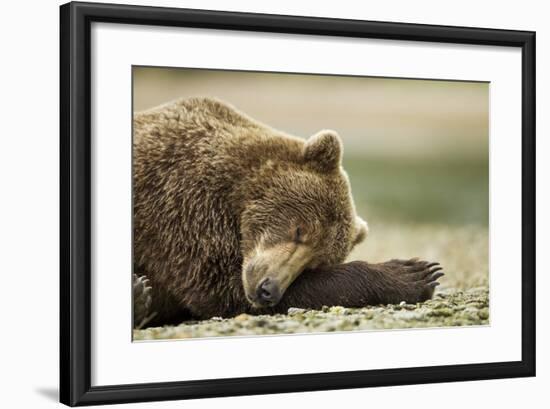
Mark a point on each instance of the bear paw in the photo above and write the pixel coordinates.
(142, 301)
(419, 276)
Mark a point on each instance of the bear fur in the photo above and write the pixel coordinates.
(232, 216)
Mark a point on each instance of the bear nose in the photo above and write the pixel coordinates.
(268, 292)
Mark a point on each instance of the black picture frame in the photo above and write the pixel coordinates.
(75, 203)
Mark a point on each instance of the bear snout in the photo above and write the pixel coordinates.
(268, 292)
(269, 271)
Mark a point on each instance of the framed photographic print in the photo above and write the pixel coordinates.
(262, 203)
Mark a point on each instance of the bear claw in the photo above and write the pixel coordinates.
(418, 275)
(435, 275)
(142, 301)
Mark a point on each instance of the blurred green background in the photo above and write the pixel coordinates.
(416, 151)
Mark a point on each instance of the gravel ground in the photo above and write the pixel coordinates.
(448, 308)
(462, 298)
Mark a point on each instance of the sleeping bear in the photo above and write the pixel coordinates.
(232, 216)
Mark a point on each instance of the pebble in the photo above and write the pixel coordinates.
(337, 310)
(441, 312)
(484, 313)
(294, 311)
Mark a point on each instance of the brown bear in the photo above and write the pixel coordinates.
(232, 216)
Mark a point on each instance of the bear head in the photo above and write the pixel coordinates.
(302, 216)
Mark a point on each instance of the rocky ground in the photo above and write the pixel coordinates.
(448, 308)
(462, 298)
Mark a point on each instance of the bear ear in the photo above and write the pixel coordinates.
(323, 151)
(360, 231)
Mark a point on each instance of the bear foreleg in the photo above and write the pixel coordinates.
(358, 283)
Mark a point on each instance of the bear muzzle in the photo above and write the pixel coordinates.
(270, 271)
(268, 293)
